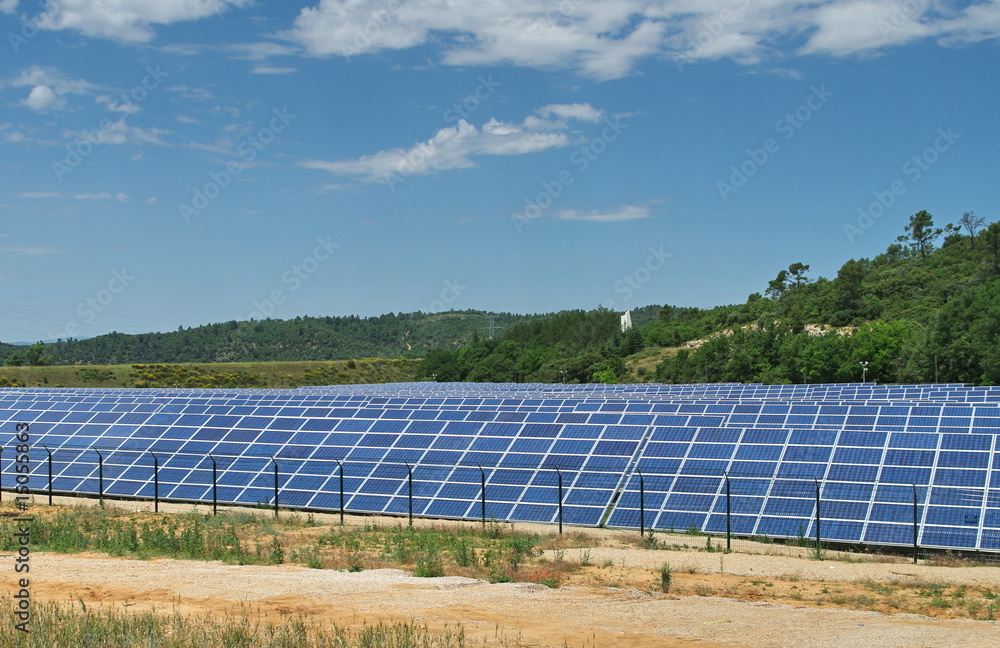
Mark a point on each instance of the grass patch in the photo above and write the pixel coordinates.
(68, 626)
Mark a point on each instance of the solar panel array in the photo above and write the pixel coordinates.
(880, 459)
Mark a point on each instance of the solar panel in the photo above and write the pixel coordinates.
(874, 454)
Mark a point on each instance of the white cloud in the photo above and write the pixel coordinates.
(626, 213)
(8, 6)
(605, 40)
(450, 148)
(860, 25)
(33, 250)
(193, 94)
(580, 111)
(261, 51)
(127, 20)
(39, 194)
(102, 195)
(43, 99)
(126, 108)
(119, 132)
(49, 87)
(270, 69)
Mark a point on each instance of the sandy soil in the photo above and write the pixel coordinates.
(540, 616)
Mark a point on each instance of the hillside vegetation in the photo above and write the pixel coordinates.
(403, 335)
(244, 374)
(927, 309)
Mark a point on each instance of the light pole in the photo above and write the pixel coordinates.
(864, 370)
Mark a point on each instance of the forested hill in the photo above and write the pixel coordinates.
(403, 335)
(928, 309)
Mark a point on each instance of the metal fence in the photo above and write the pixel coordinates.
(806, 510)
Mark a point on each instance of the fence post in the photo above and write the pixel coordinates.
(340, 468)
(275, 461)
(409, 494)
(729, 515)
(156, 483)
(559, 477)
(642, 505)
(916, 522)
(819, 552)
(50, 472)
(100, 478)
(482, 495)
(215, 483)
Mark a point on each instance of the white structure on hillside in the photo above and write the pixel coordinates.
(626, 321)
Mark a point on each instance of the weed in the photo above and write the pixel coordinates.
(429, 564)
(463, 553)
(666, 576)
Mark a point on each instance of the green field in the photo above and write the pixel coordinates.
(234, 374)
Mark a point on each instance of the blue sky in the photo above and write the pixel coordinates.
(193, 161)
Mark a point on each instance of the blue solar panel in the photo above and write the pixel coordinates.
(864, 446)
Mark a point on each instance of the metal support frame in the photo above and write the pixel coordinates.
(409, 494)
(100, 477)
(340, 467)
(50, 472)
(215, 485)
(156, 482)
(559, 477)
(275, 461)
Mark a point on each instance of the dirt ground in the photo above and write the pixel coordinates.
(537, 615)
(716, 600)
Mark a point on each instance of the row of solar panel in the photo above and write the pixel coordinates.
(916, 418)
(633, 392)
(682, 406)
(850, 511)
(516, 451)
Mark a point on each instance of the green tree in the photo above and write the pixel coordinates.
(777, 286)
(35, 355)
(920, 233)
(972, 224)
(848, 284)
(797, 274)
(633, 342)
